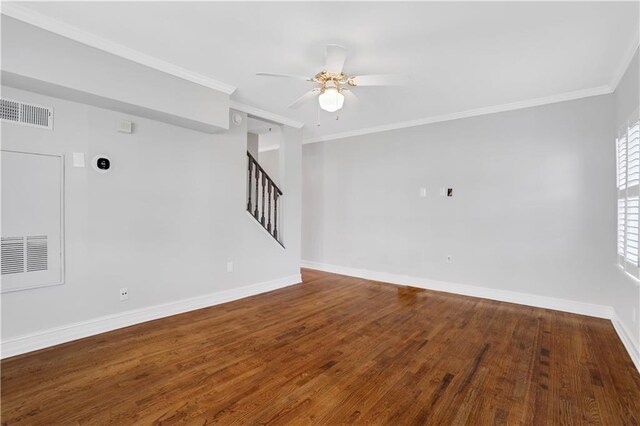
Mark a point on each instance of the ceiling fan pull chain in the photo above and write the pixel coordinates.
(318, 113)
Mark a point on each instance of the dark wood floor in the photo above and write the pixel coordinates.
(335, 350)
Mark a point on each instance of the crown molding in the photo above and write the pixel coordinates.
(626, 61)
(31, 17)
(265, 115)
(55, 26)
(579, 94)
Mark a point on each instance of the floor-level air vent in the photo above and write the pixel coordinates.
(26, 114)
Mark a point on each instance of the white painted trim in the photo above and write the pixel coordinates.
(589, 309)
(269, 148)
(624, 64)
(266, 115)
(599, 311)
(79, 330)
(58, 27)
(31, 17)
(579, 94)
(628, 342)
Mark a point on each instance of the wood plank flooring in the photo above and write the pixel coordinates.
(335, 350)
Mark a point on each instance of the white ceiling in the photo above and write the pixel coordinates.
(458, 56)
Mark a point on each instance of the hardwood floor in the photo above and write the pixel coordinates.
(335, 350)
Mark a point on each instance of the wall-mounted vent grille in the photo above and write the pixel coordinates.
(13, 254)
(26, 114)
(10, 110)
(37, 253)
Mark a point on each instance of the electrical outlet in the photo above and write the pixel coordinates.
(449, 259)
(229, 266)
(124, 293)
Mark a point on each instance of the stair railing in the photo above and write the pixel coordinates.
(262, 195)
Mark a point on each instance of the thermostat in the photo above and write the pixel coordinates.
(101, 163)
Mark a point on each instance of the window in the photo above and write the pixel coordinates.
(628, 183)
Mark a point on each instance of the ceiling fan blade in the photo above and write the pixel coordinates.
(334, 58)
(304, 98)
(274, 74)
(349, 95)
(379, 80)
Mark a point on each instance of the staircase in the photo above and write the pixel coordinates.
(262, 198)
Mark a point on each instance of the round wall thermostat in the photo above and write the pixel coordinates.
(101, 163)
(236, 118)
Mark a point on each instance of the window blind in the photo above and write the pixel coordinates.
(628, 183)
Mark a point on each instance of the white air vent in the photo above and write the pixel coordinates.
(26, 114)
(12, 255)
(37, 253)
(32, 220)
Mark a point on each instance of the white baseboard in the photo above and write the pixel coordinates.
(627, 341)
(592, 310)
(589, 309)
(79, 330)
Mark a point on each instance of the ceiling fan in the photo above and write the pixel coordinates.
(333, 83)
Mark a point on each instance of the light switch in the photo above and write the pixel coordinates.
(78, 159)
(423, 192)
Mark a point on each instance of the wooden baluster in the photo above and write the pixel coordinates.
(249, 185)
(264, 181)
(275, 214)
(269, 211)
(255, 213)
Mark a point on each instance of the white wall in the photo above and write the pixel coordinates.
(252, 144)
(626, 296)
(269, 161)
(163, 223)
(533, 208)
(37, 60)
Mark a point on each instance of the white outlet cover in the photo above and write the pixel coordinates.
(229, 266)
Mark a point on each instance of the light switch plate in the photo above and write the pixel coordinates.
(78, 159)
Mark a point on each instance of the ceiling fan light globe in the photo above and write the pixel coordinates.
(331, 99)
